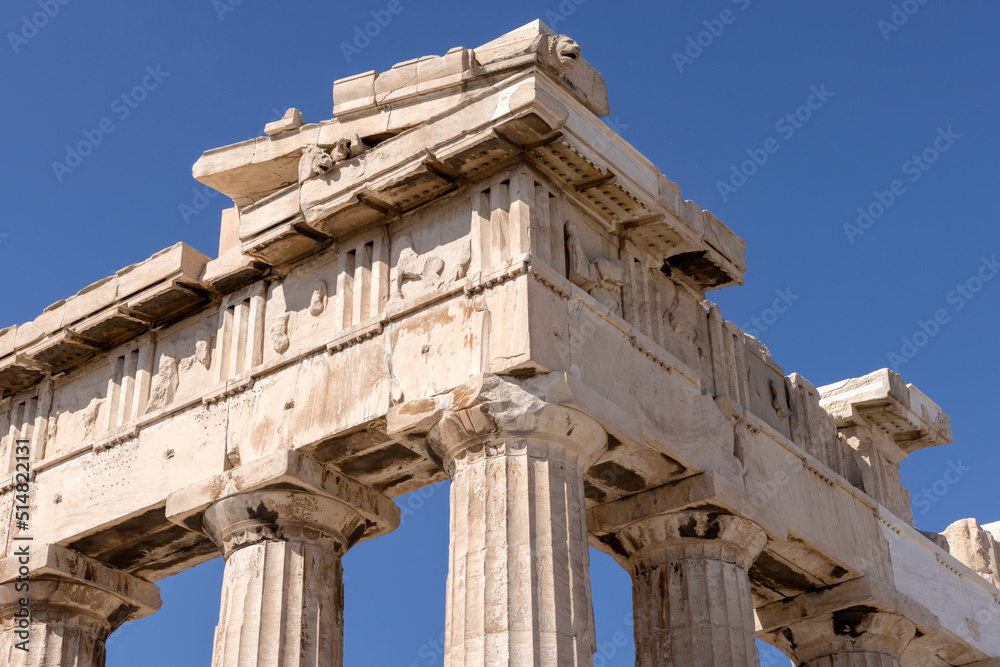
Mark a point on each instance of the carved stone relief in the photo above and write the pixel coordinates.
(165, 383)
(464, 261)
(559, 52)
(203, 345)
(357, 146)
(411, 267)
(778, 399)
(602, 277)
(681, 323)
(316, 162)
(90, 414)
(317, 304)
(279, 334)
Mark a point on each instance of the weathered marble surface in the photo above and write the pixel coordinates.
(467, 275)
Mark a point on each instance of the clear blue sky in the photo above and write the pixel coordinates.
(216, 72)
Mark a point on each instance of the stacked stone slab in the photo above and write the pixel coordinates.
(465, 275)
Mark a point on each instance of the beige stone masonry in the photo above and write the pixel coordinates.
(468, 274)
(976, 547)
(460, 137)
(885, 420)
(690, 493)
(882, 398)
(852, 637)
(860, 622)
(284, 469)
(292, 120)
(75, 604)
(107, 313)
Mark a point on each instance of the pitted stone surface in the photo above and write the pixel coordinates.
(486, 284)
(690, 589)
(74, 604)
(856, 636)
(283, 586)
(518, 590)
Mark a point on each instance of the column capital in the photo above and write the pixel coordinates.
(696, 532)
(59, 577)
(311, 492)
(706, 489)
(282, 522)
(73, 603)
(490, 415)
(860, 629)
(291, 516)
(860, 616)
(519, 422)
(690, 588)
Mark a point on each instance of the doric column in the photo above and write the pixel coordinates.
(282, 523)
(862, 622)
(689, 546)
(690, 588)
(282, 591)
(58, 607)
(859, 636)
(518, 578)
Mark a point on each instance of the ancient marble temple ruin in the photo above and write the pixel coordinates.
(466, 275)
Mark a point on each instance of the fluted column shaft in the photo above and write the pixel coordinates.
(67, 627)
(282, 591)
(859, 636)
(690, 588)
(518, 590)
